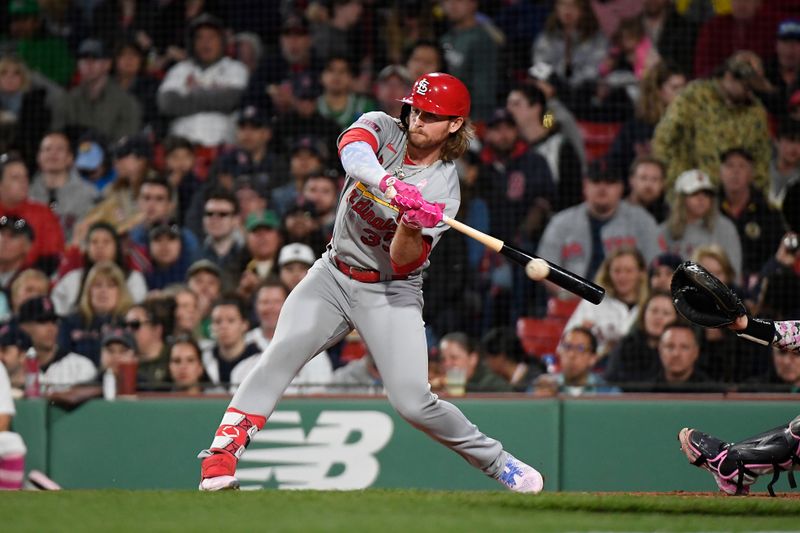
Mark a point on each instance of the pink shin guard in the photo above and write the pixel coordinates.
(737, 466)
(12, 472)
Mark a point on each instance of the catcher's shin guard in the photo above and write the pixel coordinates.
(737, 466)
(232, 437)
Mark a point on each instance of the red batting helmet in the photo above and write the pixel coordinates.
(441, 94)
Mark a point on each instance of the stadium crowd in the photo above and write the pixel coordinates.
(170, 173)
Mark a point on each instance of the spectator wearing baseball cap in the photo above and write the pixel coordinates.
(760, 226)
(169, 254)
(59, 366)
(16, 237)
(35, 219)
(301, 224)
(38, 48)
(252, 154)
(519, 182)
(263, 241)
(93, 161)
(204, 279)
(270, 86)
(307, 157)
(251, 194)
(712, 115)
(117, 348)
(137, 145)
(661, 269)
(581, 236)
(131, 156)
(392, 85)
(294, 261)
(179, 163)
(695, 220)
(304, 119)
(13, 344)
(202, 92)
(98, 103)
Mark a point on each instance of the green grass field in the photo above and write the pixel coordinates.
(388, 510)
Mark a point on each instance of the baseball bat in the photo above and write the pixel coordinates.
(563, 278)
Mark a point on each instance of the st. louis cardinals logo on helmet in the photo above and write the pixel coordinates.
(440, 94)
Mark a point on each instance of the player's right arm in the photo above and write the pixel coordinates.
(359, 145)
(359, 159)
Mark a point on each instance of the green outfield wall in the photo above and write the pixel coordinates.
(322, 443)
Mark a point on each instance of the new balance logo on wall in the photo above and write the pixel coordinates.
(337, 453)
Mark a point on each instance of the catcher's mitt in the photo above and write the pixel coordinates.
(703, 299)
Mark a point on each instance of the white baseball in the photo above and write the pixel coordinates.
(537, 269)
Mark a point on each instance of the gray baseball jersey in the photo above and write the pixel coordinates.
(365, 221)
(327, 304)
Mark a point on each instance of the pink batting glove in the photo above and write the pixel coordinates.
(405, 196)
(427, 216)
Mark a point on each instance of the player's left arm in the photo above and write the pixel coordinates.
(409, 249)
(786, 334)
(411, 245)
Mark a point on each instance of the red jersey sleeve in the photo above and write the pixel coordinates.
(355, 135)
(413, 265)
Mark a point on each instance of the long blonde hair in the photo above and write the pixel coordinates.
(677, 221)
(458, 143)
(104, 270)
(603, 277)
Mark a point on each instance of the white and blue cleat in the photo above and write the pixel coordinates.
(520, 477)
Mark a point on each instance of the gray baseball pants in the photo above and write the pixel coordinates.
(321, 310)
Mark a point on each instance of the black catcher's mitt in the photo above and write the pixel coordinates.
(702, 298)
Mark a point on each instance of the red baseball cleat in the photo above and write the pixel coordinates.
(217, 472)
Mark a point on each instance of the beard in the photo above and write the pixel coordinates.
(421, 141)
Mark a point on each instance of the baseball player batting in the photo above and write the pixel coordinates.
(706, 301)
(370, 279)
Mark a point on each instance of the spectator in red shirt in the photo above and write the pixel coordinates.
(48, 243)
(750, 26)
